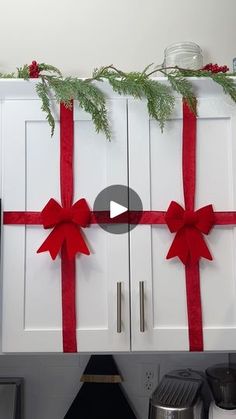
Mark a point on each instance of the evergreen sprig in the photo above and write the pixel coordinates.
(139, 85)
(227, 83)
(160, 101)
(90, 98)
(23, 72)
(225, 80)
(44, 94)
(49, 69)
(182, 86)
(7, 75)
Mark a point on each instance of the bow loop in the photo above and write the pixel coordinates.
(51, 214)
(205, 219)
(189, 244)
(81, 214)
(66, 223)
(174, 217)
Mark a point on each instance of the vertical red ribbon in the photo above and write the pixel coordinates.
(192, 275)
(67, 266)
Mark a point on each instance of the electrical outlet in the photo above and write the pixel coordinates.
(149, 378)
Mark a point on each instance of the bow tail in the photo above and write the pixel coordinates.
(75, 241)
(196, 245)
(189, 245)
(179, 247)
(53, 242)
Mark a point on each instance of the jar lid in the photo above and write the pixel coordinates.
(187, 46)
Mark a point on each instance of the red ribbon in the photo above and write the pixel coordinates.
(68, 273)
(147, 217)
(189, 244)
(66, 222)
(192, 276)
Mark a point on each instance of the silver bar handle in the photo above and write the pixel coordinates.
(118, 307)
(141, 306)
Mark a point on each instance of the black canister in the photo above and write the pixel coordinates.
(222, 380)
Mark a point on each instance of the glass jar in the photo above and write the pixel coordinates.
(234, 65)
(185, 55)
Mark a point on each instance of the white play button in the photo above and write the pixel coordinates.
(116, 209)
(116, 201)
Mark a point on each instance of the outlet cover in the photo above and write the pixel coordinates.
(149, 378)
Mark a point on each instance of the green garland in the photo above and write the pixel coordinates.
(160, 98)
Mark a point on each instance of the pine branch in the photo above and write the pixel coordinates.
(23, 72)
(223, 79)
(105, 71)
(49, 68)
(160, 100)
(91, 99)
(147, 68)
(182, 86)
(7, 76)
(228, 84)
(131, 84)
(43, 93)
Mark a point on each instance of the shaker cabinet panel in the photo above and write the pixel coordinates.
(155, 172)
(32, 317)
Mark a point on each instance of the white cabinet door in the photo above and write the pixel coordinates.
(155, 172)
(32, 282)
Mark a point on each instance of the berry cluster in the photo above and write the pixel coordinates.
(215, 68)
(34, 70)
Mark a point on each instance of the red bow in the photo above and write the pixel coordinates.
(66, 223)
(189, 244)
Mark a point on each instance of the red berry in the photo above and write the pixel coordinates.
(215, 68)
(34, 70)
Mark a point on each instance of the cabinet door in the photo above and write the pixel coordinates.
(156, 174)
(32, 282)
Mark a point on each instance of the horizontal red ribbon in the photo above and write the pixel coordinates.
(222, 218)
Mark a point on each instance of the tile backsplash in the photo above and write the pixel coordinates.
(52, 381)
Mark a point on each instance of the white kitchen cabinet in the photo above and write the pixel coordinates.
(155, 172)
(32, 282)
(150, 161)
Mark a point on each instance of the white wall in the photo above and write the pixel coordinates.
(78, 35)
